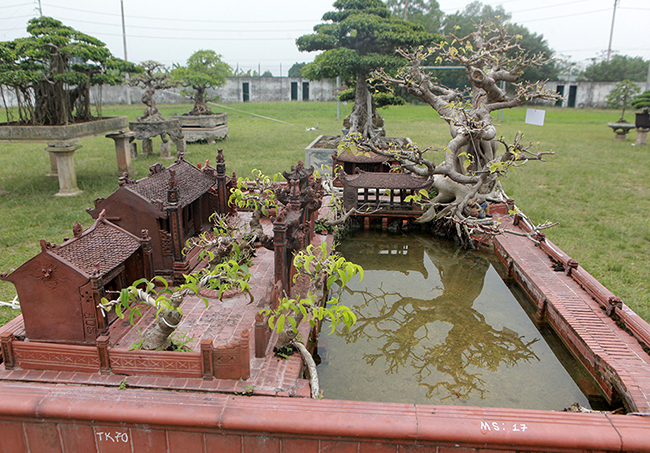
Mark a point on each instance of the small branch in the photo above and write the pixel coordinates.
(311, 366)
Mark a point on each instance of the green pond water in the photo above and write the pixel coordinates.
(438, 325)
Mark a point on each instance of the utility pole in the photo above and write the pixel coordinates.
(126, 58)
(611, 32)
(406, 10)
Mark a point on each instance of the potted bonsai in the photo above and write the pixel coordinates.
(357, 38)
(642, 102)
(204, 70)
(620, 98)
(50, 73)
(155, 77)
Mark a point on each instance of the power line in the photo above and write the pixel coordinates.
(193, 21)
(193, 38)
(144, 27)
(549, 6)
(584, 13)
(16, 6)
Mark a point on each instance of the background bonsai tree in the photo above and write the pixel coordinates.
(51, 72)
(621, 97)
(359, 37)
(642, 101)
(154, 76)
(204, 70)
(468, 176)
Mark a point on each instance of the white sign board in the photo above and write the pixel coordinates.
(535, 117)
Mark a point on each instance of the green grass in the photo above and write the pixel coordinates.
(594, 186)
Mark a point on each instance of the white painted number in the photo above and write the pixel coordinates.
(501, 426)
(113, 437)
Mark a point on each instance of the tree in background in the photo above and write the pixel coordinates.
(154, 77)
(296, 69)
(424, 12)
(357, 38)
(204, 70)
(466, 22)
(621, 97)
(617, 69)
(51, 72)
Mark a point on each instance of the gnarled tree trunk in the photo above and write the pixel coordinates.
(364, 118)
(200, 104)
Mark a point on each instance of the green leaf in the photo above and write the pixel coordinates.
(118, 311)
(280, 326)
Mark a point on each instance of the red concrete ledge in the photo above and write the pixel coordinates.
(572, 302)
(79, 413)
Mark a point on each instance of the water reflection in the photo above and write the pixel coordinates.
(438, 331)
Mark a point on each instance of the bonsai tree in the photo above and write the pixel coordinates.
(258, 195)
(621, 97)
(229, 258)
(52, 70)
(321, 269)
(642, 101)
(154, 76)
(359, 37)
(468, 177)
(204, 70)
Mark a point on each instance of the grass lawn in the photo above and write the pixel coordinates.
(594, 186)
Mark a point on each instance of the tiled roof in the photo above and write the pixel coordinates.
(373, 180)
(99, 249)
(192, 183)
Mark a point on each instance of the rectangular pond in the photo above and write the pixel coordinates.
(437, 324)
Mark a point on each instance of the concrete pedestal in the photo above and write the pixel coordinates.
(53, 170)
(64, 157)
(166, 149)
(621, 130)
(147, 146)
(123, 150)
(642, 137)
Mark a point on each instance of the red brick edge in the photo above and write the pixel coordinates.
(77, 415)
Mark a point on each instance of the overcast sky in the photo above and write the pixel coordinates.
(252, 34)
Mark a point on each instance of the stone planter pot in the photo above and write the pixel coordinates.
(146, 130)
(62, 143)
(621, 130)
(642, 121)
(204, 127)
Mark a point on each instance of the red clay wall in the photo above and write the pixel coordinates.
(48, 418)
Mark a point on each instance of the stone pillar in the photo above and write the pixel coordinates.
(222, 190)
(102, 353)
(280, 252)
(147, 146)
(179, 141)
(8, 350)
(64, 156)
(54, 172)
(641, 137)
(165, 147)
(123, 151)
(262, 334)
(244, 355)
(206, 360)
